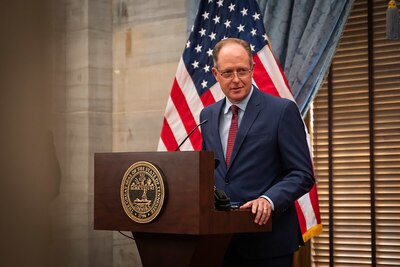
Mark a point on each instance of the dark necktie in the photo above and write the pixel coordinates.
(232, 134)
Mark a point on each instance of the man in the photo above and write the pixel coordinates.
(267, 168)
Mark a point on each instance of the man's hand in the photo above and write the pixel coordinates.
(261, 208)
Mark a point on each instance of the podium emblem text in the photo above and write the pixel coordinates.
(142, 192)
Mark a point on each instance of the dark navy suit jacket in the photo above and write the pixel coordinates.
(270, 157)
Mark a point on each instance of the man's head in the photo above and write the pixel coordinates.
(233, 68)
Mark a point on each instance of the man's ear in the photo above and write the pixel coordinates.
(215, 72)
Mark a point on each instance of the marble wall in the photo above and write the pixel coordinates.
(120, 61)
(148, 40)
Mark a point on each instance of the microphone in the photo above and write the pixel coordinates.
(197, 126)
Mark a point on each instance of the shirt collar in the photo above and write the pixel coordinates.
(242, 105)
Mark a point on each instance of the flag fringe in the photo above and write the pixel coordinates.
(313, 231)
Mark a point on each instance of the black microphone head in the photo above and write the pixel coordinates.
(216, 163)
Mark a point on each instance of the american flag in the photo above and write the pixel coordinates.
(195, 87)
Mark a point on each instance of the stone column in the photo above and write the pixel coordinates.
(87, 117)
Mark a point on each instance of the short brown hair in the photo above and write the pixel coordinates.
(226, 41)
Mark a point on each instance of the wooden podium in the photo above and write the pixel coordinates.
(188, 231)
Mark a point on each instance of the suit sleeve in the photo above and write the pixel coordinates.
(297, 172)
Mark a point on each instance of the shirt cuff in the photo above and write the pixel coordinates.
(270, 201)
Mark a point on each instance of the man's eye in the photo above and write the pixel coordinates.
(227, 74)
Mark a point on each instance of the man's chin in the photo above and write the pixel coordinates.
(236, 98)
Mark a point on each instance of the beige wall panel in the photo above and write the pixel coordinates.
(100, 98)
(77, 146)
(137, 131)
(140, 12)
(147, 50)
(78, 96)
(143, 89)
(100, 53)
(125, 251)
(77, 50)
(77, 77)
(77, 14)
(144, 73)
(153, 42)
(100, 17)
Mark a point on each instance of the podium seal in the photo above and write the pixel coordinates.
(142, 192)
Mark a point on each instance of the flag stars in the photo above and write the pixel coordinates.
(265, 37)
(204, 84)
(205, 15)
(212, 36)
(206, 68)
(231, 7)
(202, 32)
(240, 28)
(220, 3)
(244, 11)
(256, 16)
(216, 19)
(209, 52)
(227, 24)
(198, 48)
(253, 32)
(195, 64)
(188, 44)
(252, 47)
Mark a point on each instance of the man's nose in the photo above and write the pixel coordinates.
(235, 77)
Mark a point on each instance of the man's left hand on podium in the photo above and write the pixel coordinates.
(261, 208)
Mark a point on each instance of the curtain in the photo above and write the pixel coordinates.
(303, 35)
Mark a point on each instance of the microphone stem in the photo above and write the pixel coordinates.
(197, 126)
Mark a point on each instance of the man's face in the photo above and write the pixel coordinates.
(234, 73)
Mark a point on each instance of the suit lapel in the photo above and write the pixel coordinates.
(252, 110)
(215, 132)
